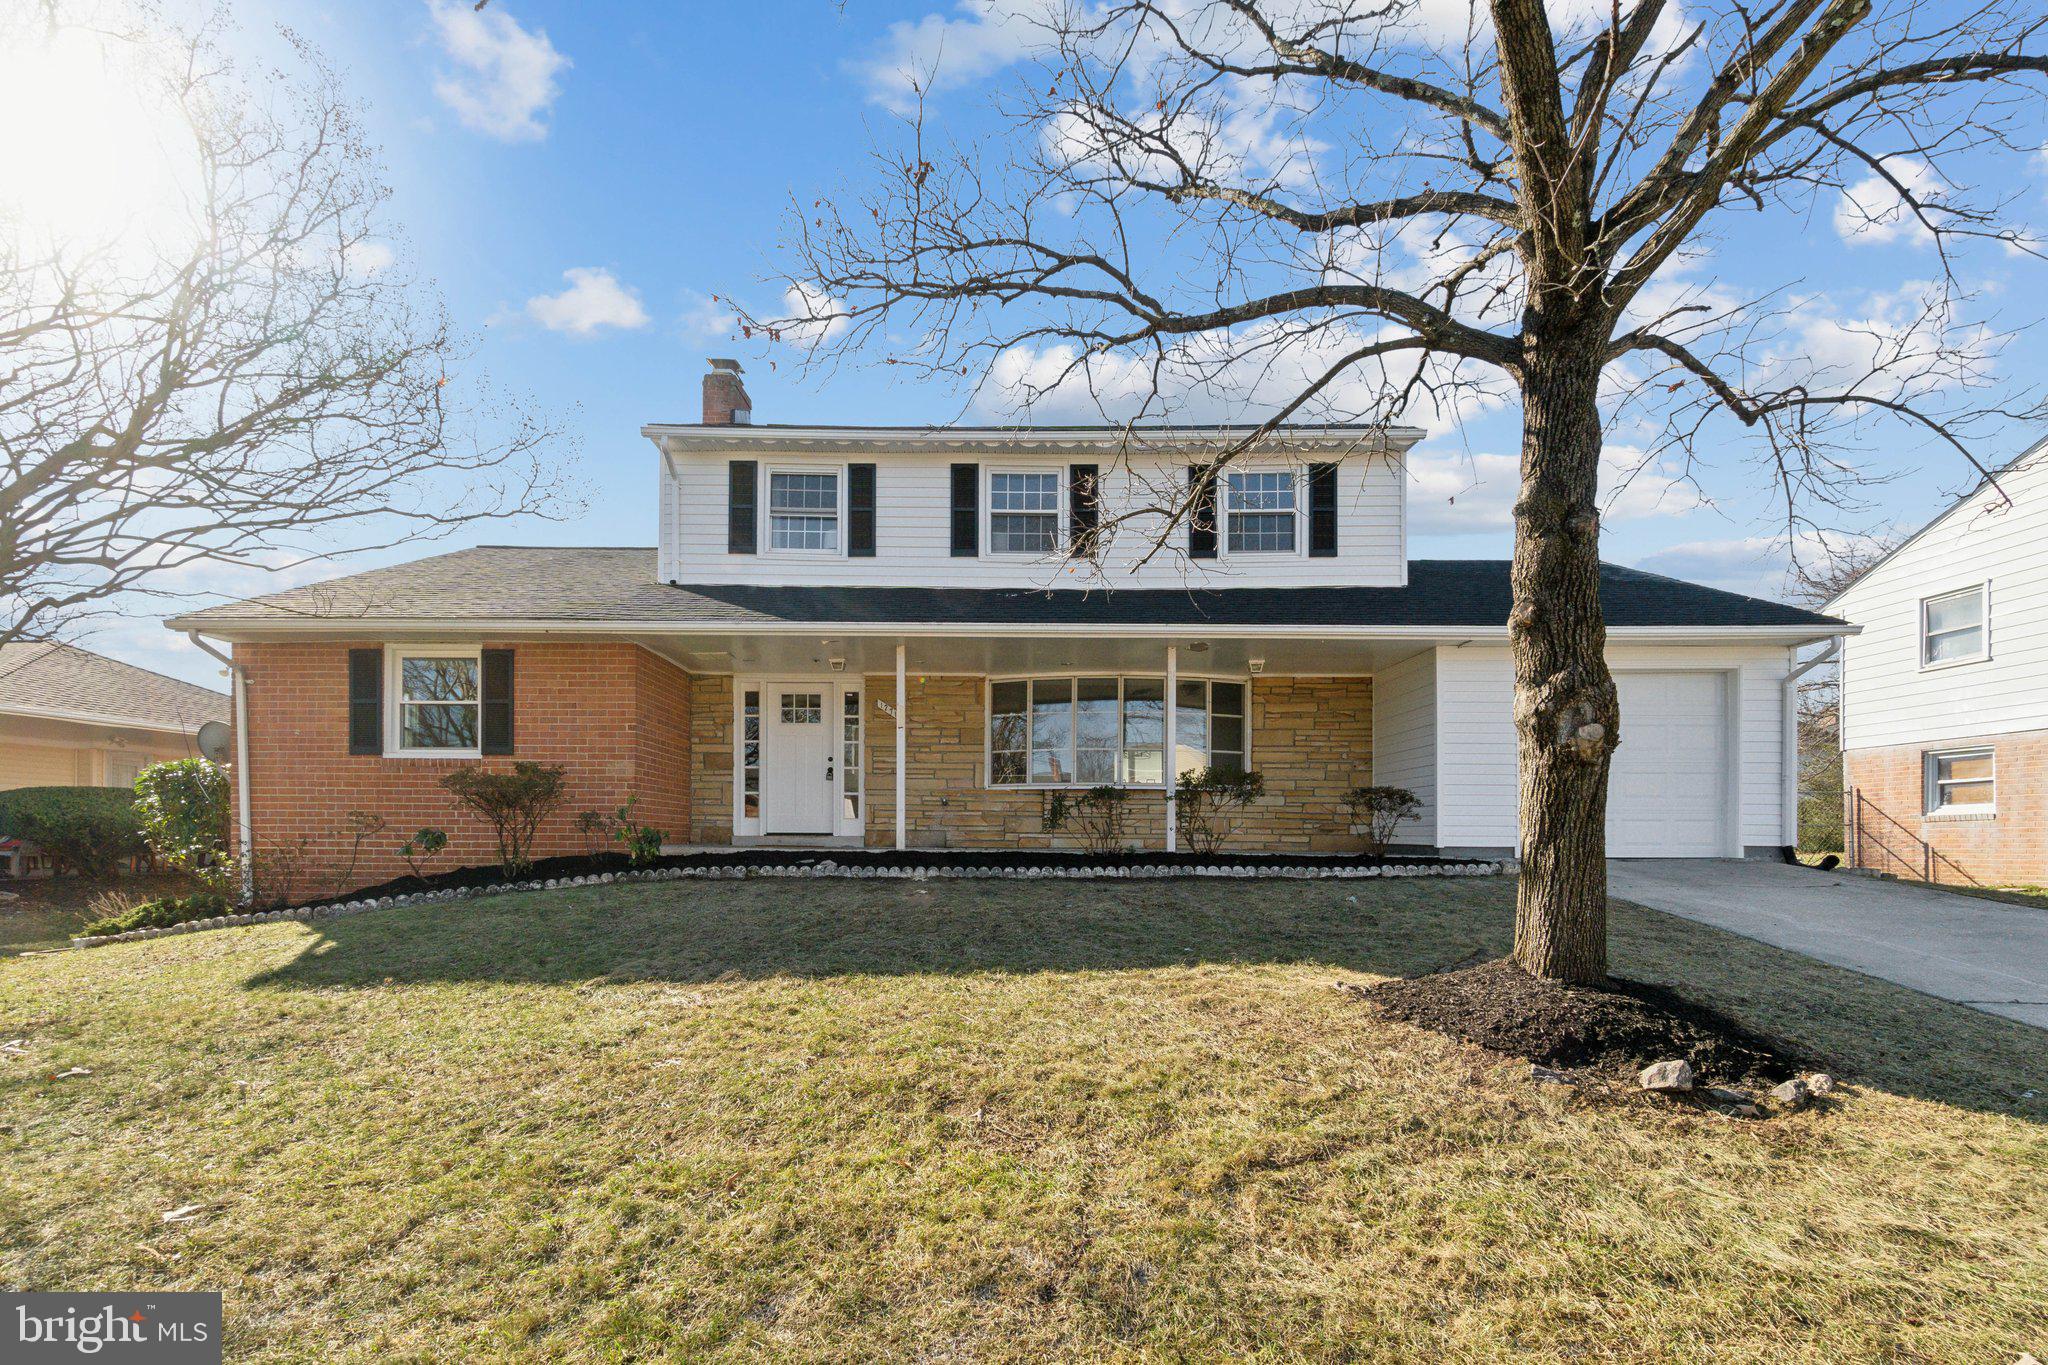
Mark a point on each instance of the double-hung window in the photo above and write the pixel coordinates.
(436, 698)
(1089, 732)
(803, 511)
(1952, 627)
(1260, 510)
(1024, 512)
(1964, 781)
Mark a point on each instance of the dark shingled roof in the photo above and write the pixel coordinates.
(542, 583)
(58, 677)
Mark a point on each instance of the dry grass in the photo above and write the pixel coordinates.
(49, 910)
(990, 1120)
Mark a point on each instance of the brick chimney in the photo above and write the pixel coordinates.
(725, 396)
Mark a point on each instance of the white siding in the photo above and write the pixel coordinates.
(1477, 785)
(1887, 697)
(1404, 738)
(913, 529)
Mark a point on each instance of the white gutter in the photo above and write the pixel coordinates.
(1788, 824)
(245, 829)
(257, 627)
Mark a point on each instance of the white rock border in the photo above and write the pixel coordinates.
(825, 868)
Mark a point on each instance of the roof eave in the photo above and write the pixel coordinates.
(688, 436)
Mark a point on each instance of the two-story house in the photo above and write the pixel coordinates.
(876, 635)
(1944, 716)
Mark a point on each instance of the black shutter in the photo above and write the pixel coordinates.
(1322, 511)
(966, 511)
(366, 701)
(1084, 506)
(497, 701)
(1202, 516)
(860, 511)
(742, 506)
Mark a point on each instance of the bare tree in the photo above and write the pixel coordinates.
(243, 377)
(1393, 204)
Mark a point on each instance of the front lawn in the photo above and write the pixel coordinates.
(990, 1120)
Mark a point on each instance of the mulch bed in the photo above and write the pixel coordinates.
(1618, 1029)
(990, 860)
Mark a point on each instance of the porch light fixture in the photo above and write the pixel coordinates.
(1199, 647)
(1256, 665)
(838, 665)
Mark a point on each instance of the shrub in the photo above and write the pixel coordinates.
(513, 803)
(1205, 803)
(361, 825)
(182, 808)
(643, 842)
(1381, 810)
(275, 871)
(422, 848)
(1098, 815)
(595, 827)
(89, 830)
(161, 913)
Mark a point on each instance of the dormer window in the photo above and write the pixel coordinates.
(803, 511)
(1024, 512)
(1260, 510)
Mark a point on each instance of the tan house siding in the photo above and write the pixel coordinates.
(44, 765)
(1311, 738)
(1888, 825)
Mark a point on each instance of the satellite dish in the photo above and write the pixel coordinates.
(215, 739)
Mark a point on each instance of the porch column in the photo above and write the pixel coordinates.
(902, 707)
(1171, 756)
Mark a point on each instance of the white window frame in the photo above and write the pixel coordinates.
(1983, 591)
(1061, 534)
(394, 697)
(766, 533)
(1298, 477)
(1930, 763)
(1168, 745)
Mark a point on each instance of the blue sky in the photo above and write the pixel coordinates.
(578, 180)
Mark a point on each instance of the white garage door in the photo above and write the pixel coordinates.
(1667, 797)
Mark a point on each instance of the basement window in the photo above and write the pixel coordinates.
(1962, 782)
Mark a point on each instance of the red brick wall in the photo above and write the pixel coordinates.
(615, 717)
(1889, 824)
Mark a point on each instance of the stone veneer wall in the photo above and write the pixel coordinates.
(1311, 738)
(2006, 848)
(711, 759)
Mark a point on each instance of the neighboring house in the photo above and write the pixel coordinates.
(867, 636)
(72, 718)
(1945, 691)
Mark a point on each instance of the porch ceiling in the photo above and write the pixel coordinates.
(769, 654)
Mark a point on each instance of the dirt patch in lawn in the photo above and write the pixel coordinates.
(1620, 1028)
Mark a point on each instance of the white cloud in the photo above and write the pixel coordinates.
(1755, 566)
(1454, 493)
(707, 319)
(1872, 212)
(946, 51)
(502, 77)
(593, 301)
(371, 257)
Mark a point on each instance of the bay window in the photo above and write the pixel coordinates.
(1098, 731)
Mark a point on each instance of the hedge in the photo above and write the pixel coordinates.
(89, 830)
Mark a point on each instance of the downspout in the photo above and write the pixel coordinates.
(1788, 824)
(245, 829)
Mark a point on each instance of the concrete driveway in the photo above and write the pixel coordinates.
(1986, 954)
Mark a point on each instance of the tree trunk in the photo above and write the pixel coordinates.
(1567, 719)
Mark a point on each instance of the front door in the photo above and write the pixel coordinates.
(798, 759)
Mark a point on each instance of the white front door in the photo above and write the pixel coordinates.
(1667, 796)
(799, 758)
